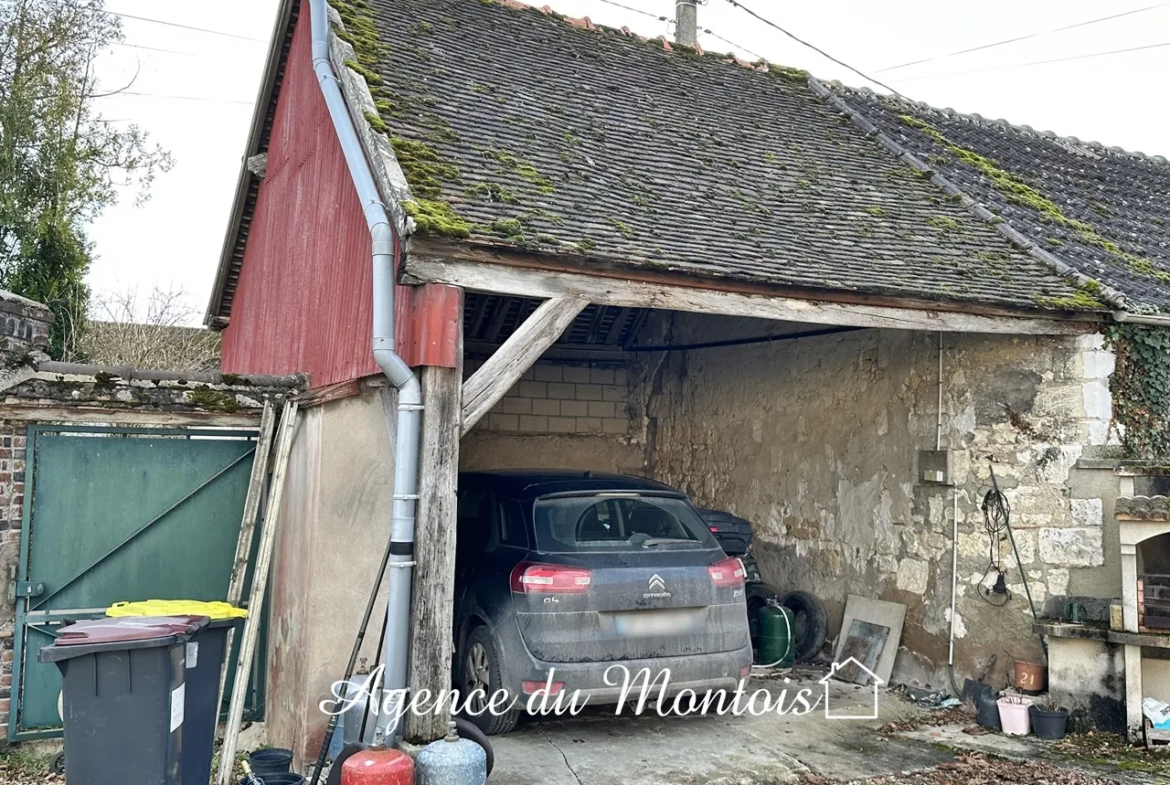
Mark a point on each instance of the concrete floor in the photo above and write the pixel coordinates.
(597, 748)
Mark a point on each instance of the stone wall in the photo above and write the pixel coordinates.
(817, 441)
(24, 324)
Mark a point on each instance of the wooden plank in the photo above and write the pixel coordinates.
(332, 392)
(247, 527)
(32, 411)
(432, 604)
(546, 284)
(504, 368)
(288, 426)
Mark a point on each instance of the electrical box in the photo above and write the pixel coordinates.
(935, 467)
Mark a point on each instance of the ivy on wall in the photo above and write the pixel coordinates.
(1140, 386)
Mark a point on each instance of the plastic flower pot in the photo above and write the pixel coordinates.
(284, 779)
(271, 761)
(1014, 717)
(1048, 723)
(988, 716)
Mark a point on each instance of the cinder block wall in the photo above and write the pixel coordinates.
(560, 415)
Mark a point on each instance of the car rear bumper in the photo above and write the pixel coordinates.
(613, 682)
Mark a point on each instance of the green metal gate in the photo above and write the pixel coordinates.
(116, 514)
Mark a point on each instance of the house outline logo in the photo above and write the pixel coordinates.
(874, 683)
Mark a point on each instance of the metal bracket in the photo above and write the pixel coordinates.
(29, 588)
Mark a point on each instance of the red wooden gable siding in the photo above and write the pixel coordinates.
(303, 300)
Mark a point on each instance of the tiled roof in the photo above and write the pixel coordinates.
(1101, 210)
(544, 132)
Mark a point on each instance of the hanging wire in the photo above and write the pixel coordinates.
(813, 47)
(996, 512)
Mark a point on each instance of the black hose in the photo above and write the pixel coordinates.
(470, 731)
(357, 647)
(369, 688)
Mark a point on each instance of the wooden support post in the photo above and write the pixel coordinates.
(432, 608)
(504, 368)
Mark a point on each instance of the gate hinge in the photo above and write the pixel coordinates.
(29, 588)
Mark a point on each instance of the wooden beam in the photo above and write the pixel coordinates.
(541, 283)
(433, 595)
(33, 411)
(332, 392)
(504, 368)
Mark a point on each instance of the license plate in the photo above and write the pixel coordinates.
(655, 623)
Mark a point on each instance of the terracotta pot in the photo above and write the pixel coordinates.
(1029, 677)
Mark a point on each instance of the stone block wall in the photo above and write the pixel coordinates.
(816, 441)
(560, 415)
(24, 324)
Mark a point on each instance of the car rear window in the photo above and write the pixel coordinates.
(611, 522)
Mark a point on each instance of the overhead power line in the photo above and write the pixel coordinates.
(1038, 62)
(816, 49)
(1022, 38)
(186, 27)
(178, 97)
(636, 10)
(734, 45)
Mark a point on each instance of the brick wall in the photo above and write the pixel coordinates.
(582, 399)
(12, 462)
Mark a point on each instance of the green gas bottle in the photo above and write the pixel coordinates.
(777, 647)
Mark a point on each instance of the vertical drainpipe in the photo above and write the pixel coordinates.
(410, 407)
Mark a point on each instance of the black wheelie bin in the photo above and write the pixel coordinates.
(123, 698)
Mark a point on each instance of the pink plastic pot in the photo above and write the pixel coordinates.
(1014, 717)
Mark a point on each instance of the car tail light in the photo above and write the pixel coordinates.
(533, 687)
(530, 578)
(727, 573)
(745, 671)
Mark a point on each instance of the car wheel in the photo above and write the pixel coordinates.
(810, 622)
(479, 669)
(758, 595)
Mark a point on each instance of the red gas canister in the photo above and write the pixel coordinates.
(378, 766)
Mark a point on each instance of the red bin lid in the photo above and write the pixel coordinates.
(131, 628)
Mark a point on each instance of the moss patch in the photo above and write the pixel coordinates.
(1086, 297)
(423, 167)
(523, 168)
(375, 122)
(788, 74)
(622, 227)
(509, 227)
(436, 217)
(213, 400)
(876, 210)
(943, 223)
(491, 192)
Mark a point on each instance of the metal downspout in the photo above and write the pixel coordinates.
(407, 443)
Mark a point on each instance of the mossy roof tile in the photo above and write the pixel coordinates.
(1103, 211)
(608, 142)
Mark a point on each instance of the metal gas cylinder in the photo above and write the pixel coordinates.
(378, 766)
(776, 643)
(451, 761)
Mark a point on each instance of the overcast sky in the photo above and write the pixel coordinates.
(196, 98)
